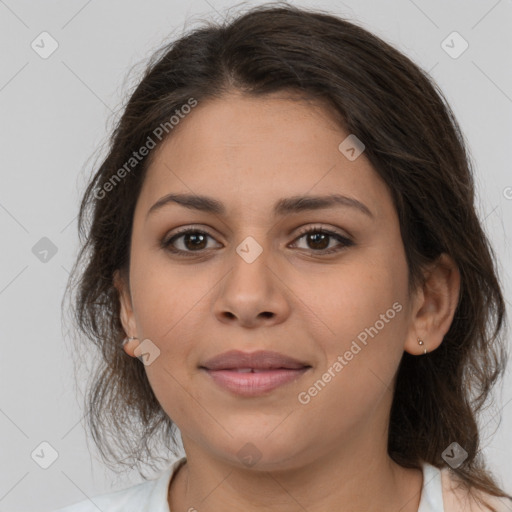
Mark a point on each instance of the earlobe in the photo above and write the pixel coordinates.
(435, 307)
(130, 343)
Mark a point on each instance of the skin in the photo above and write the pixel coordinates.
(328, 454)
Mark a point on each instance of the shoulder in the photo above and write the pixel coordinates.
(150, 495)
(457, 499)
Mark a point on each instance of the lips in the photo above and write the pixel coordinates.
(253, 374)
(253, 361)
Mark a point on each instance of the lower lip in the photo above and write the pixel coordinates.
(253, 384)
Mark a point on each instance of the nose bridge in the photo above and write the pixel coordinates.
(251, 259)
(251, 286)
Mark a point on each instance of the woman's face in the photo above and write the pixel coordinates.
(250, 280)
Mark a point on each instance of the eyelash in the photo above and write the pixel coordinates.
(167, 244)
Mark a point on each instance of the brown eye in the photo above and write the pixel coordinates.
(318, 240)
(191, 240)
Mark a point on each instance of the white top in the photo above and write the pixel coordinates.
(151, 495)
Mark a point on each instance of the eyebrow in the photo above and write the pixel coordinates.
(285, 206)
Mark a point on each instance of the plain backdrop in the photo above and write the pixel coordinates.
(55, 113)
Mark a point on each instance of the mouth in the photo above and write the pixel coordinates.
(253, 374)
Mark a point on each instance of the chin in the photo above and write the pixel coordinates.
(259, 454)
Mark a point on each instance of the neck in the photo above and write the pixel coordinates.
(351, 481)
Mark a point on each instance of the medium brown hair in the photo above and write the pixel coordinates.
(414, 143)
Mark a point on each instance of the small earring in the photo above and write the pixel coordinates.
(129, 338)
(421, 343)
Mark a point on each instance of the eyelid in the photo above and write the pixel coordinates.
(305, 228)
(319, 227)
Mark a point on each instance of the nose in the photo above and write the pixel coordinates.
(252, 293)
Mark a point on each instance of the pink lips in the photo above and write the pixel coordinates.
(255, 373)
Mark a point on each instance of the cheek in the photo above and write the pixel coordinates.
(354, 297)
(366, 316)
(366, 313)
(170, 313)
(163, 293)
(158, 306)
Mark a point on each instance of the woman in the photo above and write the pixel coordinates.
(284, 261)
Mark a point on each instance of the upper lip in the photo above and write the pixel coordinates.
(262, 360)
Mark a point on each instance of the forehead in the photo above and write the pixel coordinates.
(249, 152)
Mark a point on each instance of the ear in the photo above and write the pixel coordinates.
(434, 306)
(127, 316)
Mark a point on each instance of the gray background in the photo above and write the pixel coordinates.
(56, 112)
